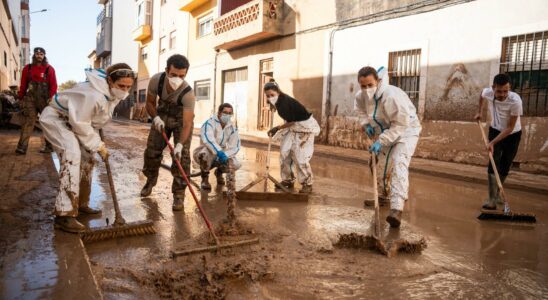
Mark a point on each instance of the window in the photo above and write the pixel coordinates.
(172, 39)
(144, 13)
(142, 95)
(404, 72)
(201, 88)
(205, 25)
(525, 58)
(144, 53)
(163, 44)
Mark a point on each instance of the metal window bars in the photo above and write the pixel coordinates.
(404, 72)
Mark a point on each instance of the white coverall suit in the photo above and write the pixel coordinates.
(70, 123)
(214, 138)
(394, 116)
(297, 148)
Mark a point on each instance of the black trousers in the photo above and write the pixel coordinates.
(504, 151)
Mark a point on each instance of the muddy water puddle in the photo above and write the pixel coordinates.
(296, 258)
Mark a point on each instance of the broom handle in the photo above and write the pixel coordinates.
(118, 219)
(376, 195)
(267, 171)
(182, 171)
(492, 160)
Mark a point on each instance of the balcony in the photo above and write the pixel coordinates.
(104, 38)
(255, 21)
(142, 33)
(190, 5)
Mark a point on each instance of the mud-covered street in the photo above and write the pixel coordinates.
(295, 258)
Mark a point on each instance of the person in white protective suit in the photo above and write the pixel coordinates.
(70, 123)
(296, 137)
(393, 125)
(219, 143)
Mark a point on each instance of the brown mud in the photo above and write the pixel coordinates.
(388, 248)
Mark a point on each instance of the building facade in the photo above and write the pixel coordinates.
(11, 56)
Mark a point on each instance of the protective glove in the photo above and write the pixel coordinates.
(273, 131)
(375, 148)
(102, 151)
(178, 151)
(369, 130)
(158, 124)
(222, 157)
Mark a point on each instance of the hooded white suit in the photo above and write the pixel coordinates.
(393, 115)
(70, 124)
(213, 138)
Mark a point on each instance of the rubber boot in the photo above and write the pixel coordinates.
(178, 199)
(147, 189)
(286, 184)
(20, 151)
(47, 148)
(220, 178)
(69, 224)
(490, 204)
(394, 218)
(306, 189)
(205, 186)
(499, 200)
(89, 211)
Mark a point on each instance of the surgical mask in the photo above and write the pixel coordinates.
(225, 118)
(119, 94)
(273, 100)
(175, 82)
(369, 92)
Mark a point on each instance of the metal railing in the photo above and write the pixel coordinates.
(404, 72)
(525, 58)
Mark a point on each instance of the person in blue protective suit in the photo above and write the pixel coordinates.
(70, 123)
(219, 143)
(394, 126)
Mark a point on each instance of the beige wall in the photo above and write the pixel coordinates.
(11, 48)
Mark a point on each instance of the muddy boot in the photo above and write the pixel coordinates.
(220, 178)
(178, 201)
(306, 189)
(205, 186)
(69, 224)
(498, 199)
(89, 211)
(20, 151)
(147, 189)
(394, 218)
(383, 201)
(286, 184)
(490, 203)
(47, 148)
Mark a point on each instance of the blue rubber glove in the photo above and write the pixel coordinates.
(375, 148)
(369, 130)
(222, 157)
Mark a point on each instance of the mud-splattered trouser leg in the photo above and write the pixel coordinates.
(401, 158)
(504, 151)
(87, 162)
(67, 147)
(207, 160)
(154, 153)
(296, 149)
(29, 113)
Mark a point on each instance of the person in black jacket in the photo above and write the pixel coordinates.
(296, 135)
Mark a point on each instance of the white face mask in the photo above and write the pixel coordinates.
(225, 118)
(118, 93)
(273, 100)
(175, 82)
(369, 93)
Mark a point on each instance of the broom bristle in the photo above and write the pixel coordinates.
(511, 216)
(111, 232)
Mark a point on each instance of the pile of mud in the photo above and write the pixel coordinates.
(390, 248)
(233, 228)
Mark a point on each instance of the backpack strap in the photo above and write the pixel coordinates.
(182, 94)
(161, 84)
(46, 74)
(29, 77)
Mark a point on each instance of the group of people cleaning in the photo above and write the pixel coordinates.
(72, 118)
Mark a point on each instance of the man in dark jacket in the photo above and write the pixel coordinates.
(38, 85)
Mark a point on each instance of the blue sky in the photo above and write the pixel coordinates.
(67, 32)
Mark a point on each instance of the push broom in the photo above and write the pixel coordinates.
(218, 244)
(506, 214)
(120, 228)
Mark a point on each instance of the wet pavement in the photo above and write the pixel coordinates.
(465, 258)
(295, 258)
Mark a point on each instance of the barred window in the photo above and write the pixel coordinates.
(201, 88)
(524, 58)
(404, 72)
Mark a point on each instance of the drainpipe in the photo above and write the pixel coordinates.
(215, 82)
(329, 83)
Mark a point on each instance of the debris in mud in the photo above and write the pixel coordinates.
(232, 228)
(358, 241)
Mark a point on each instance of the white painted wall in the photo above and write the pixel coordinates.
(204, 108)
(466, 33)
(124, 48)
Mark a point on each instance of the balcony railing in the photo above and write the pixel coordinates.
(249, 23)
(104, 38)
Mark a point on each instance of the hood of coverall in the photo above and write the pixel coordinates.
(382, 73)
(97, 79)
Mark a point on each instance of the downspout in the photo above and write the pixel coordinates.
(329, 84)
(215, 82)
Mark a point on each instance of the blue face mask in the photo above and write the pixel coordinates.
(225, 118)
